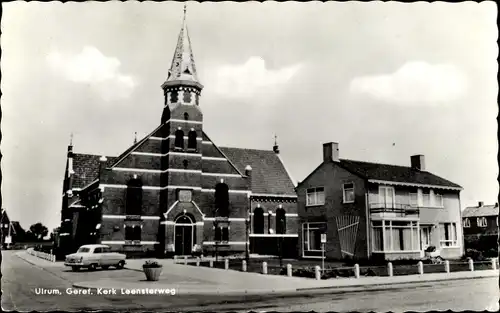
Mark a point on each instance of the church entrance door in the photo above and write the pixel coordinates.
(184, 235)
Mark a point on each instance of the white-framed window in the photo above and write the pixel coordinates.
(413, 199)
(315, 196)
(482, 222)
(387, 196)
(438, 201)
(426, 199)
(311, 236)
(448, 234)
(348, 192)
(466, 223)
(388, 236)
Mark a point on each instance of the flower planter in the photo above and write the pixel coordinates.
(152, 273)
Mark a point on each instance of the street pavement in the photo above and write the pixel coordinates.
(22, 276)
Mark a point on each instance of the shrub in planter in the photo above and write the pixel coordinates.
(473, 254)
(152, 269)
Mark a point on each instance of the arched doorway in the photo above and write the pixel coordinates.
(184, 235)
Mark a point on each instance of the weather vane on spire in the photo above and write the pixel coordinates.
(135, 138)
(185, 9)
(71, 139)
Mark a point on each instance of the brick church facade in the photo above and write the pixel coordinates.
(175, 192)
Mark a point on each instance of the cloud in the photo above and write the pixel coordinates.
(93, 68)
(251, 77)
(414, 83)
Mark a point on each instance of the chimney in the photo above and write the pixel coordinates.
(496, 205)
(330, 152)
(418, 162)
(480, 203)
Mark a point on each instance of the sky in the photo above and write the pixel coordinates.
(384, 80)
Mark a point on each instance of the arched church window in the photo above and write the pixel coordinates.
(258, 221)
(179, 139)
(134, 197)
(192, 140)
(222, 200)
(280, 221)
(186, 116)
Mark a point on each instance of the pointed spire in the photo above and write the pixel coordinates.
(183, 67)
(135, 138)
(71, 139)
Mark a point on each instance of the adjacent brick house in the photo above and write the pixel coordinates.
(377, 210)
(480, 224)
(176, 190)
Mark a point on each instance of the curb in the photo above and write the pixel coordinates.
(294, 291)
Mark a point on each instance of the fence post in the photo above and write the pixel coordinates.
(420, 268)
(226, 264)
(197, 261)
(471, 265)
(447, 266)
(289, 270)
(494, 263)
(390, 272)
(211, 263)
(356, 270)
(264, 268)
(185, 260)
(317, 272)
(244, 266)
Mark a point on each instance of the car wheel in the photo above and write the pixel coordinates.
(120, 265)
(92, 267)
(75, 268)
(105, 267)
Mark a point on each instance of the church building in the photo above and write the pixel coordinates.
(175, 191)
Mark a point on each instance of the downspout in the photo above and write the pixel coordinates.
(462, 248)
(367, 212)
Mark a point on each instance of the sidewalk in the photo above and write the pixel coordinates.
(39, 262)
(192, 280)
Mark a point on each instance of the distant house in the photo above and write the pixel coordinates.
(7, 230)
(377, 210)
(480, 224)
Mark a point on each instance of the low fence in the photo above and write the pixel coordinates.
(42, 255)
(355, 271)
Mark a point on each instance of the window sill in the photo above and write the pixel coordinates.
(451, 247)
(313, 205)
(402, 251)
(347, 202)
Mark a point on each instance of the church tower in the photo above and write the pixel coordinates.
(182, 88)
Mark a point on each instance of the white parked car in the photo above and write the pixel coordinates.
(93, 256)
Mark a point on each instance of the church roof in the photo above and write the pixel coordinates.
(183, 67)
(86, 168)
(269, 175)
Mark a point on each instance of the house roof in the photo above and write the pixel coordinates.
(269, 175)
(485, 210)
(395, 173)
(86, 168)
(405, 175)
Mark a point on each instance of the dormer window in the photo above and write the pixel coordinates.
(179, 139)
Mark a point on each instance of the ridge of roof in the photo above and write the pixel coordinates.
(476, 211)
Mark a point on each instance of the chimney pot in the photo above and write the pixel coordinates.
(481, 203)
(248, 170)
(330, 152)
(418, 162)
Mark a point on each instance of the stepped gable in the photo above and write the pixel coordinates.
(86, 168)
(269, 175)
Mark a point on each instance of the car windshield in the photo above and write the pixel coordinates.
(106, 250)
(82, 249)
